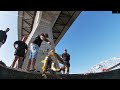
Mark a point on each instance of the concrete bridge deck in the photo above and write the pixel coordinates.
(8, 73)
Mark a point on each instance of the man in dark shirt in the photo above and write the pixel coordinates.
(20, 51)
(34, 48)
(3, 36)
(66, 60)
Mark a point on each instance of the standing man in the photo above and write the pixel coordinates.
(34, 48)
(66, 59)
(21, 50)
(3, 36)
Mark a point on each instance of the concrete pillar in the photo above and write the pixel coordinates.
(43, 23)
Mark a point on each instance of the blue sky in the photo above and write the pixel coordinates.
(8, 19)
(93, 37)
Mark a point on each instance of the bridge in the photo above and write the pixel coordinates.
(55, 23)
(61, 25)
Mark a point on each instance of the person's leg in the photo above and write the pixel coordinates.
(19, 62)
(29, 62)
(46, 62)
(34, 56)
(62, 69)
(67, 68)
(33, 64)
(14, 61)
(33, 60)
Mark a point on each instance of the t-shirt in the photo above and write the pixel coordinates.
(21, 45)
(3, 36)
(66, 57)
(38, 40)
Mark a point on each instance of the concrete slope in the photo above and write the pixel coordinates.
(7, 73)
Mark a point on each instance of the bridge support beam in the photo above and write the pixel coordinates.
(43, 23)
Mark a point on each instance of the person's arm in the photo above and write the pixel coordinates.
(62, 55)
(4, 39)
(16, 42)
(69, 57)
(45, 39)
(26, 49)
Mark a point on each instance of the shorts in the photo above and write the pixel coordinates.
(1, 44)
(33, 51)
(67, 64)
(20, 53)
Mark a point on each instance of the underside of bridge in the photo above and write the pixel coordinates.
(62, 24)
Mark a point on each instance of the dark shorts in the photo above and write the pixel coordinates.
(67, 64)
(19, 53)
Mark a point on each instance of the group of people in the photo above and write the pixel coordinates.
(22, 48)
